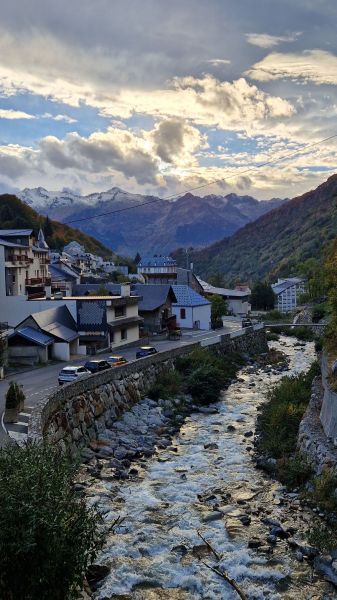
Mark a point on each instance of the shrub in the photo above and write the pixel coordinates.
(205, 383)
(14, 396)
(318, 312)
(167, 386)
(280, 417)
(205, 372)
(294, 472)
(47, 534)
(325, 490)
(272, 336)
(323, 538)
(275, 315)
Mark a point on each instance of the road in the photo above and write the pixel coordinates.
(38, 383)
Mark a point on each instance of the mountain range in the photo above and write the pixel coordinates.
(156, 225)
(275, 243)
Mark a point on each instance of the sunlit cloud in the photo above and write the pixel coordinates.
(265, 40)
(314, 66)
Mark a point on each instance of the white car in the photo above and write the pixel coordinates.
(69, 374)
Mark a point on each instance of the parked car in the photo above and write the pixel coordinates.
(116, 361)
(72, 374)
(246, 323)
(95, 366)
(145, 351)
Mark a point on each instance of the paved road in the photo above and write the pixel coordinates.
(38, 383)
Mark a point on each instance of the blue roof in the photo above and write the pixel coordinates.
(157, 261)
(33, 335)
(188, 297)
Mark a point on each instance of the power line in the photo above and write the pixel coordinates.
(199, 187)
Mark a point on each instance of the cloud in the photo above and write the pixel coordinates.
(315, 66)
(206, 101)
(14, 114)
(218, 62)
(175, 142)
(64, 118)
(265, 40)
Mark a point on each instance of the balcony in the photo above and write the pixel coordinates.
(38, 281)
(18, 260)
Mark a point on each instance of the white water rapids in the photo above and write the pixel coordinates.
(157, 544)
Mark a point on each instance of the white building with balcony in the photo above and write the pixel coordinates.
(23, 263)
(287, 291)
(158, 269)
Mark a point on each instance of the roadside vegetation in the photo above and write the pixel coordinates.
(48, 536)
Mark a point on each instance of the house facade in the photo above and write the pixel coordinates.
(107, 321)
(24, 263)
(238, 299)
(158, 269)
(155, 305)
(192, 311)
(45, 335)
(287, 292)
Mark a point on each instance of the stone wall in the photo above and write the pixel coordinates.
(328, 413)
(76, 413)
(312, 441)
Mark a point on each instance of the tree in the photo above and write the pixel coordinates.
(48, 536)
(48, 228)
(137, 258)
(219, 308)
(101, 291)
(217, 280)
(262, 296)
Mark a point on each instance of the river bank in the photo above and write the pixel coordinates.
(203, 479)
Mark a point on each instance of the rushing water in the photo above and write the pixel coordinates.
(157, 545)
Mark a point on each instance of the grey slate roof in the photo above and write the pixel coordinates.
(56, 322)
(278, 288)
(188, 297)
(83, 289)
(33, 335)
(15, 232)
(153, 295)
(157, 261)
(228, 293)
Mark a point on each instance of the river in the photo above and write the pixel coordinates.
(156, 552)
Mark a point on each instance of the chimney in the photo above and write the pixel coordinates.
(125, 289)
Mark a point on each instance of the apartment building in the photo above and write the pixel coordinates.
(158, 269)
(24, 263)
(287, 292)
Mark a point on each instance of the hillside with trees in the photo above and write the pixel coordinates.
(15, 214)
(276, 243)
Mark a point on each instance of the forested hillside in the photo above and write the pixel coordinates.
(15, 214)
(276, 243)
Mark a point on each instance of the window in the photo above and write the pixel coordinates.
(183, 313)
(120, 311)
(124, 334)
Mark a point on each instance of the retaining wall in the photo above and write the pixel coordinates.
(77, 412)
(328, 413)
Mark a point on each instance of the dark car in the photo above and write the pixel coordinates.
(95, 366)
(246, 323)
(145, 351)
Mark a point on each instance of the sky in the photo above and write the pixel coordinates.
(160, 97)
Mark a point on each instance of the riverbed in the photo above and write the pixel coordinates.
(206, 483)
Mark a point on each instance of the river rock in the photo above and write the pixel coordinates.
(326, 569)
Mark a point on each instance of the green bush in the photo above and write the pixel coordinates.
(294, 472)
(272, 336)
(205, 383)
(275, 315)
(280, 417)
(318, 312)
(325, 490)
(168, 385)
(205, 372)
(48, 536)
(14, 395)
(323, 538)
